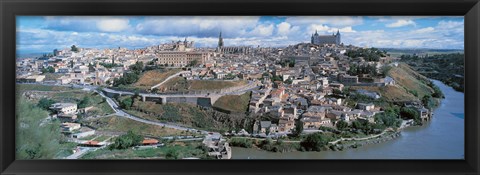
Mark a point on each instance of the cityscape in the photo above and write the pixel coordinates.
(240, 88)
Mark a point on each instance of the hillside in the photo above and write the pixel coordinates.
(188, 115)
(153, 77)
(233, 103)
(390, 93)
(181, 84)
(448, 68)
(410, 85)
(120, 124)
(413, 82)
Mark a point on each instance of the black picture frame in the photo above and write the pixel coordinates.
(470, 9)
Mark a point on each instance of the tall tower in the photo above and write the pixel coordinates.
(337, 37)
(220, 41)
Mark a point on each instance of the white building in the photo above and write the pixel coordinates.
(65, 108)
(366, 106)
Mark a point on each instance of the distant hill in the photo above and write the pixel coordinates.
(398, 52)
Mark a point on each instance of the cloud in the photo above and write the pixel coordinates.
(138, 32)
(112, 24)
(335, 21)
(423, 30)
(324, 29)
(450, 24)
(262, 30)
(283, 28)
(401, 23)
(86, 23)
(199, 26)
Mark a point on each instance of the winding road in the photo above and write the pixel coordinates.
(122, 113)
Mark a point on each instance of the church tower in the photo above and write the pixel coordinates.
(220, 42)
(337, 37)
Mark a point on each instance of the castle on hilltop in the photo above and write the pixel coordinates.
(326, 39)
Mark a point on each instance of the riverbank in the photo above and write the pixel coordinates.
(294, 145)
(441, 138)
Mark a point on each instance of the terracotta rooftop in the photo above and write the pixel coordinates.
(150, 141)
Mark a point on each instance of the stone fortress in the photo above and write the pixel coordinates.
(326, 39)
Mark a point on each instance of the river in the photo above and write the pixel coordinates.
(441, 138)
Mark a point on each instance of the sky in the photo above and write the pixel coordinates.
(42, 34)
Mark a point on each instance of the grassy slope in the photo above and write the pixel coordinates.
(153, 77)
(406, 79)
(175, 84)
(184, 113)
(410, 80)
(210, 85)
(37, 87)
(175, 151)
(234, 103)
(100, 107)
(119, 124)
(67, 94)
(390, 93)
(180, 84)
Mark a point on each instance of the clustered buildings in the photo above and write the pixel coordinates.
(301, 89)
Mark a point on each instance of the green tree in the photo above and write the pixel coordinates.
(298, 128)
(126, 103)
(315, 142)
(126, 141)
(410, 113)
(45, 103)
(172, 154)
(49, 69)
(428, 101)
(84, 102)
(74, 48)
(137, 68)
(341, 125)
(288, 81)
(388, 119)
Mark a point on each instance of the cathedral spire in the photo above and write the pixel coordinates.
(220, 40)
(338, 32)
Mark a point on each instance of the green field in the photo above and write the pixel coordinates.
(100, 107)
(38, 87)
(170, 151)
(121, 124)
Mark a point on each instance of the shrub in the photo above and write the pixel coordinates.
(126, 141)
(315, 142)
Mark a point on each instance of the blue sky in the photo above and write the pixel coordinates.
(44, 33)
